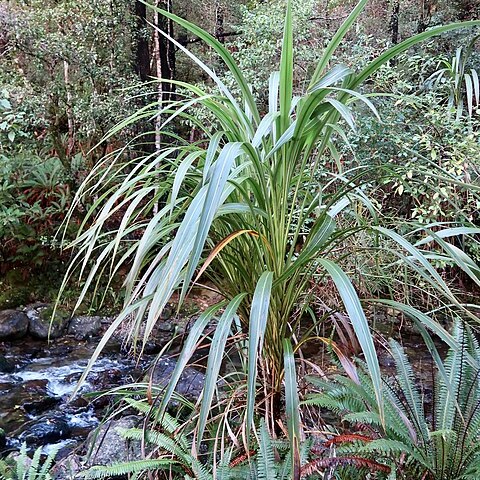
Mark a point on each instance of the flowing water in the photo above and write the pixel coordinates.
(34, 398)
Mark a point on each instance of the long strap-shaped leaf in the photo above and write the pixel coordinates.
(286, 70)
(188, 350)
(360, 326)
(220, 172)
(215, 359)
(258, 323)
(292, 404)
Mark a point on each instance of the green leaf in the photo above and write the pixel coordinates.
(258, 323)
(292, 404)
(286, 69)
(189, 348)
(215, 359)
(360, 326)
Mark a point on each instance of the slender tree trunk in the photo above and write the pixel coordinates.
(157, 58)
(219, 21)
(394, 21)
(167, 50)
(164, 60)
(70, 119)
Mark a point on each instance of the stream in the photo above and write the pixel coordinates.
(34, 397)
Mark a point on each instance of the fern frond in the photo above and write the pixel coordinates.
(406, 380)
(128, 468)
(157, 439)
(33, 469)
(358, 462)
(22, 462)
(267, 470)
(48, 463)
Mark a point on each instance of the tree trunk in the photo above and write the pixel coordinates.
(164, 60)
(70, 119)
(157, 58)
(167, 50)
(394, 21)
(219, 21)
(142, 51)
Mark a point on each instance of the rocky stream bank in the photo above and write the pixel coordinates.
(38, 375)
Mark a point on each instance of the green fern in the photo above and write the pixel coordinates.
(128, 468)
(445, 447)
(171, 451)
(24, 468)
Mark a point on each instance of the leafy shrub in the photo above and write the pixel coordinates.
(236, 207)
(434, 156)
(34, 195)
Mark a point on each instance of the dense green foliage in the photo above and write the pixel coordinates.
(239, 204)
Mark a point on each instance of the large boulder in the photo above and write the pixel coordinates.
(13, 324)
(191, 381)
(41, 324)
(106, 445)
(84, 327)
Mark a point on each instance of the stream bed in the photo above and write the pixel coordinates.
(35, 405)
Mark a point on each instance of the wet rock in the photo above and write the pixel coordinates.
(191, 381)
(12, 418)
(5, 365)
(165, 327)
(167, 312)
(45, 430)
(107, 445)
(18, 400)
(68, 468)
(85, 327)
(35, 396)
(41, 325)
(107, 378)
(65, 448)
(13, 324)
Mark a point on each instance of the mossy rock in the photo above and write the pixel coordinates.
(43, 326)
(61, 316)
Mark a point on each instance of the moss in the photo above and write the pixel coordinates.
(60, 315)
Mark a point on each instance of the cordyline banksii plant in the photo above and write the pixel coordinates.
(234, 206)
